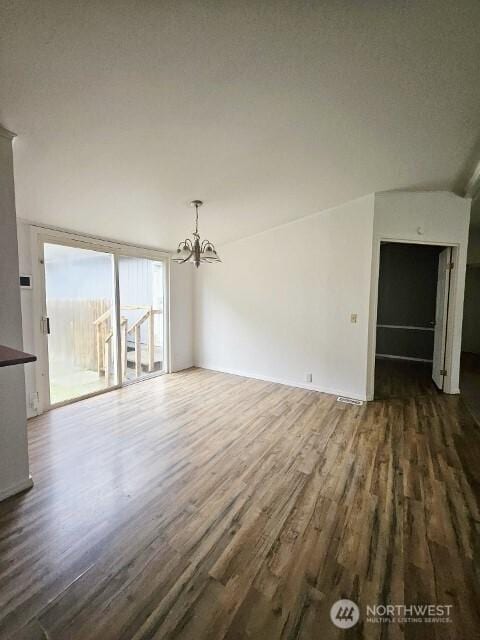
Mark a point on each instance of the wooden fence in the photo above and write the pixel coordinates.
(81, 334)
(73, 333)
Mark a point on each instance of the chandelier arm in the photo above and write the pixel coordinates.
(185, 243)
(187, 258)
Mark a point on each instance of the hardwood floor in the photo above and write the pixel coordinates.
(206, 506)
(403, 379)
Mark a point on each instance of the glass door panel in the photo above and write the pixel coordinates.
(142, 325)
(80, 306)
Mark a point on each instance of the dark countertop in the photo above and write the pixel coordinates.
(9, 356)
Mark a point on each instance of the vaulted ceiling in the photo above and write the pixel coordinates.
(269, 111)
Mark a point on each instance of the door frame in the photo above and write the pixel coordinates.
(454, 327)
(446, 311)
(38, 236)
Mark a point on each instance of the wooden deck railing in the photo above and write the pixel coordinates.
(104, 336)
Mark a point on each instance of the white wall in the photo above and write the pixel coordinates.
(26, 297)
(279, 304)
(430, 217)
(181, 316)
(14, 473)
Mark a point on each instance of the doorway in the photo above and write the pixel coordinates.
(412, 319)
(103, 317)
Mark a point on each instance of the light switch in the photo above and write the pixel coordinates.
(353, 318)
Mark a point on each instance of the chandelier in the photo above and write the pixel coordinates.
(193, 250)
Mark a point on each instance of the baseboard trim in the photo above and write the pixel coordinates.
(16, 488)
(182, 368)
(284, 381)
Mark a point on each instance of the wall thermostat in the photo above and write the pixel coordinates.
(25, 281)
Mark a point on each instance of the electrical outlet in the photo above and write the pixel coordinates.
(353, 318)
(308, 377)
(33, 400)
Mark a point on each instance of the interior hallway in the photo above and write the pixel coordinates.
(204, 505)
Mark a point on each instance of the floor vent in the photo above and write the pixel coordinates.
(350, 401)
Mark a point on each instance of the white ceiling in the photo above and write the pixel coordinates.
(267, 110)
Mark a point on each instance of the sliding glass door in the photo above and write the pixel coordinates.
(103, 317)
(142, 326)
(79, 322)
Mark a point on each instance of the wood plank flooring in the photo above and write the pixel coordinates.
(205, 506)
(403, 379)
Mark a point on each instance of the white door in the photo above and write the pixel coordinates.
(441, 317)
